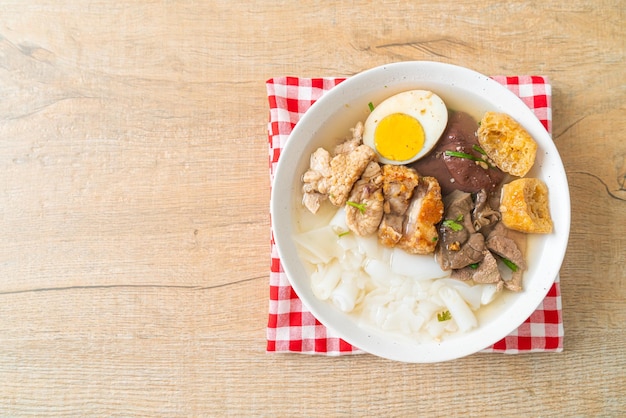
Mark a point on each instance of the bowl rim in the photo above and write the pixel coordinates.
(280, 208)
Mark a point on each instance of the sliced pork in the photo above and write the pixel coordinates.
(315, 181)
(364, 209)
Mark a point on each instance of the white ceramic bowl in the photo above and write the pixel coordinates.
(330, 119)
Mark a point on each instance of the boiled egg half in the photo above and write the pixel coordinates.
(405, 127)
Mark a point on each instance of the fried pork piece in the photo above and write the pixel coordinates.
(424, 212)
(332, 176)
(364, 210)
(398, 185)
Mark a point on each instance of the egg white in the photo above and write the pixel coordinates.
(425, 106)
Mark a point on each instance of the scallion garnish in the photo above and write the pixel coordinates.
(371, 106)
(477, 148)
(473, 266)
(453, 225)
(460, 154)
(359, 206)
(510, 264)
(444, 316)
(467, 156)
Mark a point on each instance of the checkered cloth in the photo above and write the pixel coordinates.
(291, 327)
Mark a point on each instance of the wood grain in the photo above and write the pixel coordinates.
(134, 205)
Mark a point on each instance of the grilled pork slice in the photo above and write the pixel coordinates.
(315, 181)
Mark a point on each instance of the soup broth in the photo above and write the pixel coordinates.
(363, 271)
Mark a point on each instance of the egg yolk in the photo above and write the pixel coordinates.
(399, 137)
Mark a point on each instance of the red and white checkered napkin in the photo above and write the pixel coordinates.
(291, 327)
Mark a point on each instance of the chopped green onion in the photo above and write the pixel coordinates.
(453, 225)
(510, 264)
(343, 234)
(435, 239)
(444, 316)
(466, 156)
(371, 105)
(359, 206)
(473, 266)
(477, 148)
(461, 155)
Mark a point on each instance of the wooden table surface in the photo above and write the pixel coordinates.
(134, 205)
